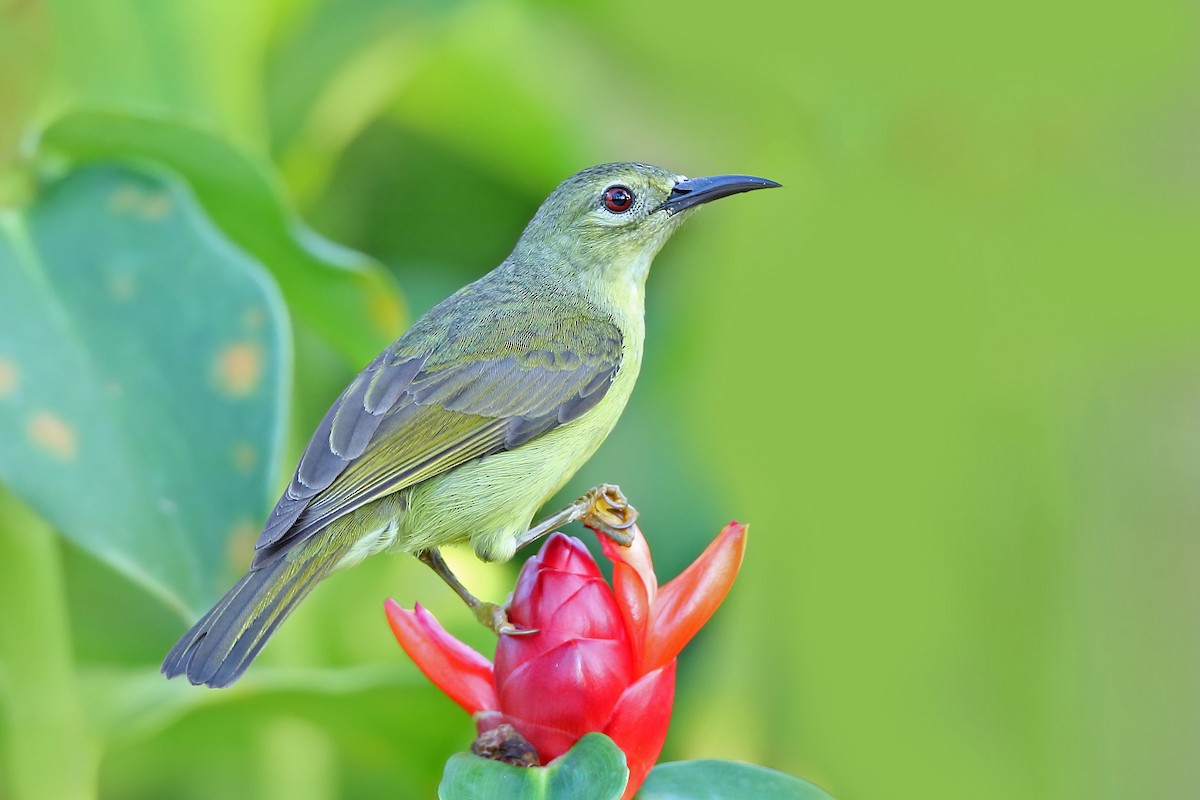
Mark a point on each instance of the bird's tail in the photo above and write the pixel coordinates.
(218, 648)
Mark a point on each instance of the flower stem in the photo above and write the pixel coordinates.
(48, 750)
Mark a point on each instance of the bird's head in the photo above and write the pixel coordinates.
(608, 222)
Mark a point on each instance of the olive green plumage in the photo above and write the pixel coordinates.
(462, 428)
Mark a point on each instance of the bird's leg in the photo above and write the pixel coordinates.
(603, 509)
(490, 614)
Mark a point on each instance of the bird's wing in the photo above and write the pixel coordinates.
(410, 416)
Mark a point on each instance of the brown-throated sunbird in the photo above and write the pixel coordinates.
(464, 426)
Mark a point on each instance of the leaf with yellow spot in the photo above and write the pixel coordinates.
(237, 368)
(344, 296)
(143, 359)
(8, 377)
(52, 435)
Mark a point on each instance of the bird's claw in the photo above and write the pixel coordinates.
(609, 513)
(495, 617)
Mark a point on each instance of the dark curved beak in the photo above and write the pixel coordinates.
(694, 191)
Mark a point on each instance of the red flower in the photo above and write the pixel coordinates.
(603, 658)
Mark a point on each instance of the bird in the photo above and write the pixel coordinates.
(461, 429)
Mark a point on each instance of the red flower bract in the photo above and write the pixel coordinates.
(603, 659)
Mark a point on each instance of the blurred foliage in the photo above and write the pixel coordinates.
(949, 373)
(327, 287)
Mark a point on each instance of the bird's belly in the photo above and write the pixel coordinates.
(490, 502)
(369, 530)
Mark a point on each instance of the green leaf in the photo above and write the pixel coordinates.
(344, 296)
(724, 780)
(142, 371)
(594, 769)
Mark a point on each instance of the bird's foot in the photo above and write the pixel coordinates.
(490, 614)
(495, 617)
(607, 511)
(603, 509)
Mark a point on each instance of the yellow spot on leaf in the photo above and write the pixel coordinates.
(125, 199)
(238, 368)
(131, 199)
(8, 377)
(122, 286)
(242, 537)
(51, 433)
(156, 206)
(245, 456)
(253, 318)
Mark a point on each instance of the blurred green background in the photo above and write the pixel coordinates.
(950, 374)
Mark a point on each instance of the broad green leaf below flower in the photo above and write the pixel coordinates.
(712, 779)
(594, 769)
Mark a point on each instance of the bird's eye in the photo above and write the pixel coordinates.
(618, 199)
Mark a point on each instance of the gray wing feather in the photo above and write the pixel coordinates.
(495, 403)
(360, 409)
